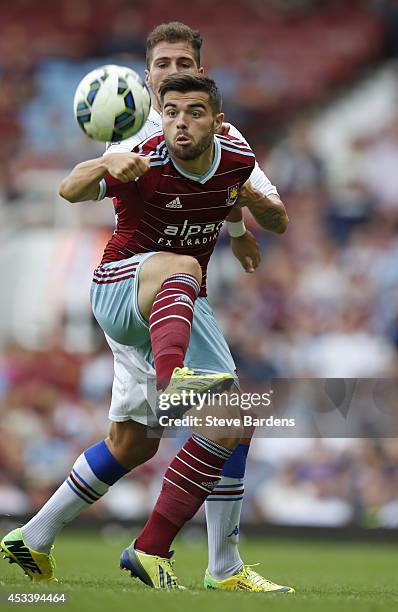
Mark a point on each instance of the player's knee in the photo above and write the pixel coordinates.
(188, 265)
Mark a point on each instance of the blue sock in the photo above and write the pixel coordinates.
(223, 510)
(103, 463)
(236, 465)
(93, 472)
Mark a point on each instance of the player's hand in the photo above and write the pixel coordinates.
(246, 250)
(223, 130)
(248, 195)
(126, 166)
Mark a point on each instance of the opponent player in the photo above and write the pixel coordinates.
(130, 296)
(175, 47)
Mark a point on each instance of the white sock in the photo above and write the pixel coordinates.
(223, 509)
(81, 489)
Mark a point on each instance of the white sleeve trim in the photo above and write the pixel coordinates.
(102, 190)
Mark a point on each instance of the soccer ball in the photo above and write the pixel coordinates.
(111, 103)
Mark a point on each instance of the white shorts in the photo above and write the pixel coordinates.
(134, 379)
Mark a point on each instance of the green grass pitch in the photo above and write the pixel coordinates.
(327, 576)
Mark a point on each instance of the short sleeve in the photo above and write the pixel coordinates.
(260, 181)
(125, 146)
(109, 187)
(258, 178)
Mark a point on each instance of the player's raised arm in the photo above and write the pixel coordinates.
(82, 184)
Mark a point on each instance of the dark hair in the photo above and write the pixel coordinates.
(184, 83)
(173, 32)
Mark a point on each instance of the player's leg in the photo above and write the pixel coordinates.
(191, 476)
(157, 290)
(224, 504)
(226, 570)
(189, 479)
(94, 471)
(208, 349)
(169, 285)
(128, 444)
(223, 513)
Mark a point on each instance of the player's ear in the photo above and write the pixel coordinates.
(218, 121)
(147, 78)
(201, 70)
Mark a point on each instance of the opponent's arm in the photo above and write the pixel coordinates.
(268, 211)
(244, 246)
(82, 184)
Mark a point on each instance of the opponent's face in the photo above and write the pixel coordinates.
(168, 58)
(188, 123)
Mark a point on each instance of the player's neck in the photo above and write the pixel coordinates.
(155, 105)
(200, 165)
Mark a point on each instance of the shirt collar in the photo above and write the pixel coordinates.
(203, 178)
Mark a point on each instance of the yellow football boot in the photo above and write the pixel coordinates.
(245, 580)
(156, 572)
(38, 566)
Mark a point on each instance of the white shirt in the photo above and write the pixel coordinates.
(154, 124)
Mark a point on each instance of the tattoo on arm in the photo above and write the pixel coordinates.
(272, 218)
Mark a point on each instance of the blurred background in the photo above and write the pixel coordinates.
(312, 84)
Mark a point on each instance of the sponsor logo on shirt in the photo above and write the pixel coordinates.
(190, 234)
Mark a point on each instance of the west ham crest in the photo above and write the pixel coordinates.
(233, 194)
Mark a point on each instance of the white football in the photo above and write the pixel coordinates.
(111, 103)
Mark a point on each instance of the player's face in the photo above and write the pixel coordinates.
(188, 123)
(168, 58)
